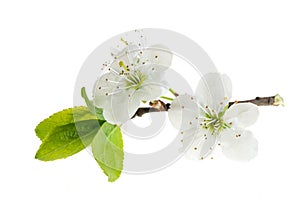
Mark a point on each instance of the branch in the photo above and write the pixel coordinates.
(156, 106)
(160, 106)
(275, 100)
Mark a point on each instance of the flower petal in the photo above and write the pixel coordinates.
(214, 90)
(158, 54)
(238, 144)
(242, 114)
(202, 145)
(121, 107)
(153, 71)
(148, 92)
(101, 101)
(183, 112)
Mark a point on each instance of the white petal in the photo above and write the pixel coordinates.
(153, 71)
(158, 54)
(109, 116)
(238, 145)
(148, 92)
(120, 108)
(188, 136)
(214, 90)
(101, 101)
(201, 146)
(242, 114)
(157, 78)
(208, 145)
(183, 112)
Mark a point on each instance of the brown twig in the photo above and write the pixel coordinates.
(156, 106)
(259, 101)
(160, 106)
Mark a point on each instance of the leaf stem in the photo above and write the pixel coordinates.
(167, 98)
(173, 92)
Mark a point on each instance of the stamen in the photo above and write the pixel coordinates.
(125, 88)
(111, 81)
(127, 79)
(121, 63)
(114, 71)
(124, 41)
(213, 121)
(134, 78)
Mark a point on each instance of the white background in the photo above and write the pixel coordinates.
(43, 45)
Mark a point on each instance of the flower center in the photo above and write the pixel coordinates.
(135, 79)
(213, 121)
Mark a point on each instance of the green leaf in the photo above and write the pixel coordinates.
(67, 140)
(107, 148)
(62, 118)
(95, 110)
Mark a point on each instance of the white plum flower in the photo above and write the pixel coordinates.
(204, 120)
(135, 75)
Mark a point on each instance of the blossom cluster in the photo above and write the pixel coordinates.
(204, 119)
